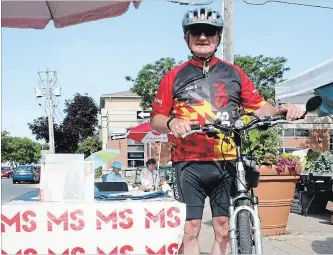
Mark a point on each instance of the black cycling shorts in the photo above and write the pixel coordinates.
(194, 181)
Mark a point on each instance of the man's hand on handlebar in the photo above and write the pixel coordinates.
(180, 127)
(291, 112)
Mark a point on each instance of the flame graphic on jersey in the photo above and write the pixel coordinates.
(224, 147)
(205, 112)
(201, 112)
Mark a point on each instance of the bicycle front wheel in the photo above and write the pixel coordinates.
(245, 243)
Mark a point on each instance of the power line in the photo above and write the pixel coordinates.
(291, 3)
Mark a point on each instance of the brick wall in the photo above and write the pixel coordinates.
(319, 140)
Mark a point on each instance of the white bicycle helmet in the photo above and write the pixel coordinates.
(209, 17)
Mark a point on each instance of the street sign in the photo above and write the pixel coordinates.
(142, 114)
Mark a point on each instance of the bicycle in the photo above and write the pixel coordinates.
(245, 202)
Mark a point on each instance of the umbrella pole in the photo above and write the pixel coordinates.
(150, 150)
(159, 157)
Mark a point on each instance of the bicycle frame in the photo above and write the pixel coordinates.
(242, 194)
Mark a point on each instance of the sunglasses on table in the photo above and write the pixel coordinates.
(207, 30)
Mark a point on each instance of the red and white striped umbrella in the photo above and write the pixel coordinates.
(37, 14)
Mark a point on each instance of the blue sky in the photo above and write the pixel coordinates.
(95, 57)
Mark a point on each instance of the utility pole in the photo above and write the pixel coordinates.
(48, 88)
(228, 31)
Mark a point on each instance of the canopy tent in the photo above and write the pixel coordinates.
(300, 88)
(297, 90)
(37, 14)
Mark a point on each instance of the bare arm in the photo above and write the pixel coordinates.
(178, 127)
(292, 112)
(159, 123)
(267, 110)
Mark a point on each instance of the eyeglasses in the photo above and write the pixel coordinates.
(207, 30)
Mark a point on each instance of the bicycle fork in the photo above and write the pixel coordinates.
(234, 213)
(233, 228)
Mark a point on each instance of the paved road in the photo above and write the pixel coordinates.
(10, 190)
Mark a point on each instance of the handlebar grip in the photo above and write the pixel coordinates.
(273, 118)
(195, 127)
(278, 117)
(302, 117)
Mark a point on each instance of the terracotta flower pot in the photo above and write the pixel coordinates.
(272, 170)
(275, 192)
(292, 170)
(267, 170)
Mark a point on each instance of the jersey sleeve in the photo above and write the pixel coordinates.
(251, 100)
(163, 101)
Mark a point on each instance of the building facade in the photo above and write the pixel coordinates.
(317, 139)
(118, 113)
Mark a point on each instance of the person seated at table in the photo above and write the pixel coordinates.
(149, 177)
(114, 175)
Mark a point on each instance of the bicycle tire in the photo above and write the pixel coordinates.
(244, 233)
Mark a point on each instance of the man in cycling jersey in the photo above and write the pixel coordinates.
(197, 92)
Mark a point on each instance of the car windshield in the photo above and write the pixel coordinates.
(23, 169)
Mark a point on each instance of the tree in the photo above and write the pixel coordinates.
(6, 148)
(65, 140)
(18, 150)
(45, 146)
(79, 123)
(264, 72)
(81, 116)
(149, 78)
(89, 146)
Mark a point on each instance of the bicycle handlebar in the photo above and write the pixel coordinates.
(218, 127)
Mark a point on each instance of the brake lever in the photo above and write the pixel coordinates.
(191, 132)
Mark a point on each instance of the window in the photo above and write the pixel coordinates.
(302, 133)
(290, 132)
(135, 153)
(289, 150)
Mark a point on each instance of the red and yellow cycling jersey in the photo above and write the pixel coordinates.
(187, 94)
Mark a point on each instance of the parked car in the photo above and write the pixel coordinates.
(26, 173)
(6, 171)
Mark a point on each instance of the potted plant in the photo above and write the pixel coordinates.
(267, 165)
(288, 164)
(275, 191)
(311, 158)
(322, 164)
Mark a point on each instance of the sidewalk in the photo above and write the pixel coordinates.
(305, 235)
